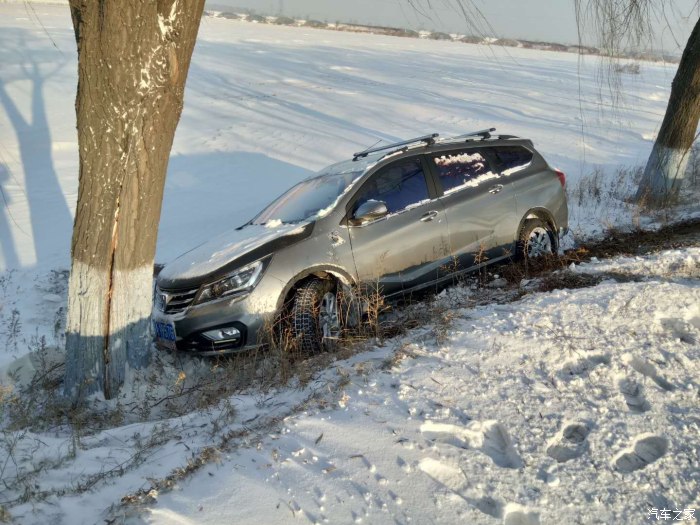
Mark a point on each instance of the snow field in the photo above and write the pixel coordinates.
(574, 406)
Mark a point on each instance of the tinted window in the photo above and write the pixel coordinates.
(512, 158)
(462, 169)
(398, 185)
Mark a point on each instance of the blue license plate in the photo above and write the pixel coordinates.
(165, 334)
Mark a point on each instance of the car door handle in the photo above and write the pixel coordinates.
(429, 216)
(496, 189)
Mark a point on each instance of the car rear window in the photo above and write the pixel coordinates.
(462, 169)
(511, 158)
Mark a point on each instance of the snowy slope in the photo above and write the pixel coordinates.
(566, 407)
(572, 406)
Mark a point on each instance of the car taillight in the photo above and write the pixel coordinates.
(562, 177)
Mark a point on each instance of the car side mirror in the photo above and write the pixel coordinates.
(369, 211)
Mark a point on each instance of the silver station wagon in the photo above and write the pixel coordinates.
(398, 219)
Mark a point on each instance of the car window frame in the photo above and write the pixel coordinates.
(484, 150)
(433, 190)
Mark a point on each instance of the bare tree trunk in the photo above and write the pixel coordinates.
(133, 59)
(667, 164)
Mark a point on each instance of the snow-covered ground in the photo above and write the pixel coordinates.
(571, 406)
(563, 407)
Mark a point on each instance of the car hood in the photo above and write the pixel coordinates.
(227, 252)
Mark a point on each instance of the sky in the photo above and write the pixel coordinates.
(550, 20)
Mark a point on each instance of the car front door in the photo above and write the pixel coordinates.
(409, 244)
(479, 204)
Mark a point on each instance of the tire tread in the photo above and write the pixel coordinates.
(305, 327)
(528, 226)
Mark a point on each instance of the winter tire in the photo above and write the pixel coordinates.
(315, 318)
(536, 239)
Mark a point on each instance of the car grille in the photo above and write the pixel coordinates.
(174, 302)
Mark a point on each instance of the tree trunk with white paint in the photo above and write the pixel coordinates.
(667, 164)
(133, 59)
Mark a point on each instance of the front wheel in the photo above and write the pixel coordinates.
(536, 239)
(315, 316)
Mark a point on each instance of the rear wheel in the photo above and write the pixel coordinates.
(536, 239)
(315, 316)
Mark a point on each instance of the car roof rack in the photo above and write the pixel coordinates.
(484, 134)
(427, 139)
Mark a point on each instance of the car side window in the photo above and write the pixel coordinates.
(512, 158)
(398, 186)
(462, 169)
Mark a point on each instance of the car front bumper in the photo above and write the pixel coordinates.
(252, 315)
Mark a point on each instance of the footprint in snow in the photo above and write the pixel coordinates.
(571, 443)
(489, 506)
(448, 475)
(403, 464)
(582, 367)
(647, 369)
(633, 393)
(498, 445)
(519, 515)
(645, 451)
(490, 437)
(683, 330)
(454, 479)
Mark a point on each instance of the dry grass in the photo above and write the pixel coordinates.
(596, 188)
(636, 242)
(567, 280)
(617, 242)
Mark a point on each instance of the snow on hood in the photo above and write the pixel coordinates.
(273, 224)
(220, 254)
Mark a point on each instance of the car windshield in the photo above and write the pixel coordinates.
(312, 198)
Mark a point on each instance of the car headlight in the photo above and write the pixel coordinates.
(241, 281)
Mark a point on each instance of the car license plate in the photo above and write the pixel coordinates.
(165, 334)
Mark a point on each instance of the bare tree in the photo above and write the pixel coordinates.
(666, 167)
(620, 24)
(133, 59)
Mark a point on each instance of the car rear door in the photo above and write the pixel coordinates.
(479, 204)
(408, 246)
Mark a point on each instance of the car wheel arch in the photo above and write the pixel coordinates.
(341, 277)
(536, 213)
(536, 216)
